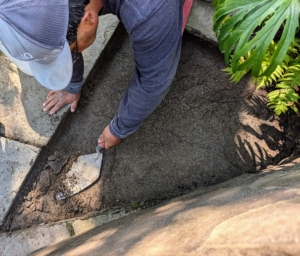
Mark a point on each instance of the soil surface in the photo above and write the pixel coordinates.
(207, 130)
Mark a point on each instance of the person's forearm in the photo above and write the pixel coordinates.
(144, 94)
(155, 30)
(75, 87)
(137, 104)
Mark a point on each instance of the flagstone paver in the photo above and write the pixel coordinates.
(200, 22)
(22, 242)
(248, 215)
(15, 161)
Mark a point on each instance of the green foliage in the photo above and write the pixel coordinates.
(217, 2)
(69, 226)
(260, 36)
(244, 26)
(261, 80)
(264, 80)
(134, 206)
(286, 96)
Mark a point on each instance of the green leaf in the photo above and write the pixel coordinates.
(250, 26)
(293, 107)
(291, 78)
(292, 23)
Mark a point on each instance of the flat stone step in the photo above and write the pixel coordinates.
(16, 160)
(200, 22)
(248, 215)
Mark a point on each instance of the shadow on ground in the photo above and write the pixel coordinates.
(206, 131)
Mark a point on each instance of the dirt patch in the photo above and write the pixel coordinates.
(206, 131)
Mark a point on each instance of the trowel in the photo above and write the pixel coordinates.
(83, 173)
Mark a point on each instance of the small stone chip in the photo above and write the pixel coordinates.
(51, 158)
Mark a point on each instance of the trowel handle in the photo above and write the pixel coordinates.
(99, 149)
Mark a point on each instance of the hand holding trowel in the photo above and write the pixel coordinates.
(83, 173)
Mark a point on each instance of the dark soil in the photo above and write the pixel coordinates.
(206, 131)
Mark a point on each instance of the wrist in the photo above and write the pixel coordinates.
(113, 131)
(75, 87)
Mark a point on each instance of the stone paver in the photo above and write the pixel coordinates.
(200, 21)
(25, 241)
(21, 96)
(249, 215)
(231, 218)
(81, 226)
(22, 242)
(15, 162)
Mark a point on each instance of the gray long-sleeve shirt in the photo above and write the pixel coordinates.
(154, 26)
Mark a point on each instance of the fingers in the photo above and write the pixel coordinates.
(102, 144)
(101, 141)
(74, 106)
(107, 140)
(52, 99)
(56, 107)
(57, 99)
(49, 105)
(51, 93)
(75, 100)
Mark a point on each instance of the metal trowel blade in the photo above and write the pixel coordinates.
(83, 173)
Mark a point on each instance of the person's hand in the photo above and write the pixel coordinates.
(107, 140)
(57, 99)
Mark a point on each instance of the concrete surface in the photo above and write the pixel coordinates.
(249, 215)
(15, 162)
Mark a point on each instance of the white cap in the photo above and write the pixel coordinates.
(37, 43)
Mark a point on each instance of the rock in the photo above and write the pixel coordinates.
(44, 182)
(47, 204)
(51, 158)
(53, 165)
(45, 179)
(40, 205)
(58, 164)
(95, 203)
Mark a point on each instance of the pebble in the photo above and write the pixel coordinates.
(51, 158)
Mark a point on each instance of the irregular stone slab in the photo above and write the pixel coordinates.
(22, 242)
(81, 226)
(244, 216)
(21, 96)
(200, 22)
(16, 160)
(286, 175)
